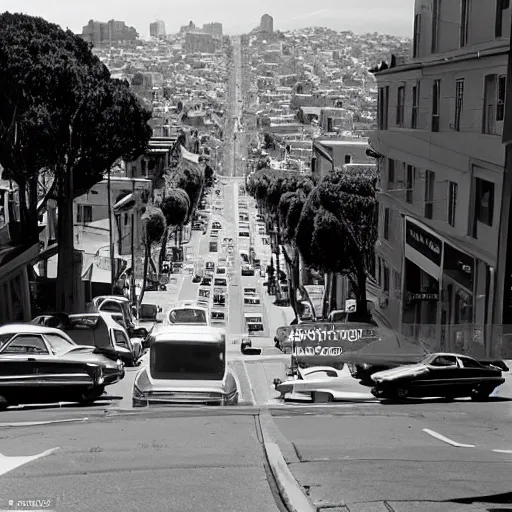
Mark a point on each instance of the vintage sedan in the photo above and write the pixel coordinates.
(439, 375)
(41, 364)
(318, 383)
(187, 365)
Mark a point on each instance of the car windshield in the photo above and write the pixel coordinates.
(4, 338)
(59, 344)
(187, 316)
(187, 361)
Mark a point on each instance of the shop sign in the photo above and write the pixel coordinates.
(423, 296)
(422, 241)
(317, 351)
(299, 335)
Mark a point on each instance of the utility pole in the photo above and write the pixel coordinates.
(133, 298)
(111, 238)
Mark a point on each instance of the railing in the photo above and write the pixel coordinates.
(478, 341)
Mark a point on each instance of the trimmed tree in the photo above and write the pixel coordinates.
(153, 228)
(337, 229)
(61, 111)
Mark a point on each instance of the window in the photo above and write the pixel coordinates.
(383, 105)
(386, 223)
(484, 201)
(464, 23)
(417, 33)
(500, 103)
(444, 361)
(397, 281)
(494, 102)
(469, 363)
(501, 5)
(430, 177)
(329, 124)
(386, 278)
(348, 159)
(436, 104)
(400, 105)
(26, 344)
(459, 95)
(59, 344)
(435, 25)
(84, 213)
(391, 174)
(120, 338)
(409, 193)
(452, 202)
(415, 105)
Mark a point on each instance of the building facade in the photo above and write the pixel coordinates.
(199, 42)
(440, 120)
(215, 28)
(267, 24)
(97, 32)
(157, 29)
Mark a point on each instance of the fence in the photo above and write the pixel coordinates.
(478, 341)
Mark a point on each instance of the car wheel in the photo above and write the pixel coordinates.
(481, 394)
(320, 397)
(89, 397)
(3, 403)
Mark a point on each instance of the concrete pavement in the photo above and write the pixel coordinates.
(133, 464)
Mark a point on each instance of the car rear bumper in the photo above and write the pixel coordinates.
(184, 399)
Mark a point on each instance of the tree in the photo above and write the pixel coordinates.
(69, 117)
(175, 208)
(341, 213)
(138, 80)
(153, 227)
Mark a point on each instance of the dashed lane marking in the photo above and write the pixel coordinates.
(9, 463)
(251, 390)
(446, 440)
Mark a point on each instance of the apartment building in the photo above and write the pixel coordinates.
(440, 122)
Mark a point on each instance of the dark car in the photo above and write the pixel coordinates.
(439, 375)
(64, 371)
(196, 279)
(206, 281)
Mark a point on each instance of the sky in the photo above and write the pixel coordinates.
(237, 16)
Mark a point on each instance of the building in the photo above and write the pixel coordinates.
(333, 153)
(157, 29)
(215, 29)
(97, 32)
(440, 121)
(267, 24)
(199, 42)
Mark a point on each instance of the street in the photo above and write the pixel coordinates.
(357, 455)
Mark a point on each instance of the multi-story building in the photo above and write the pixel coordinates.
(215, 29)
(157, 29)
(440, 120)
(199, 42)
(267, 24)
(97, 32)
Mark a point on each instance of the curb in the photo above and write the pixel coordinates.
(289, 489)
(38, 423)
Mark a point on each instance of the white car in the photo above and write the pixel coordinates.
(319, 383)
(187, 315)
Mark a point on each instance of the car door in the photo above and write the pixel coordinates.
(443, 376)
(20, 361)
(472, 373)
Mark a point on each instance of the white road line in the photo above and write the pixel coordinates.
(38, 423)
(503, 451)
(446, 439)
(251, 390)
(9, 463)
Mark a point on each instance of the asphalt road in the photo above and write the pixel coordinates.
(185, 464)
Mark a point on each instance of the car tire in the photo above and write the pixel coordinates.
(3, 403)
(481, 394)
(89, 397)
(320, 397)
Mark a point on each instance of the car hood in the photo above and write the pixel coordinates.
(410, 370)
(146, 383)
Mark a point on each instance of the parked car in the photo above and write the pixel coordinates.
(216, 225)
(101, 331)
(65, 371)
(187, 365)
(197, 278)
(318, 383)
(439, 375)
